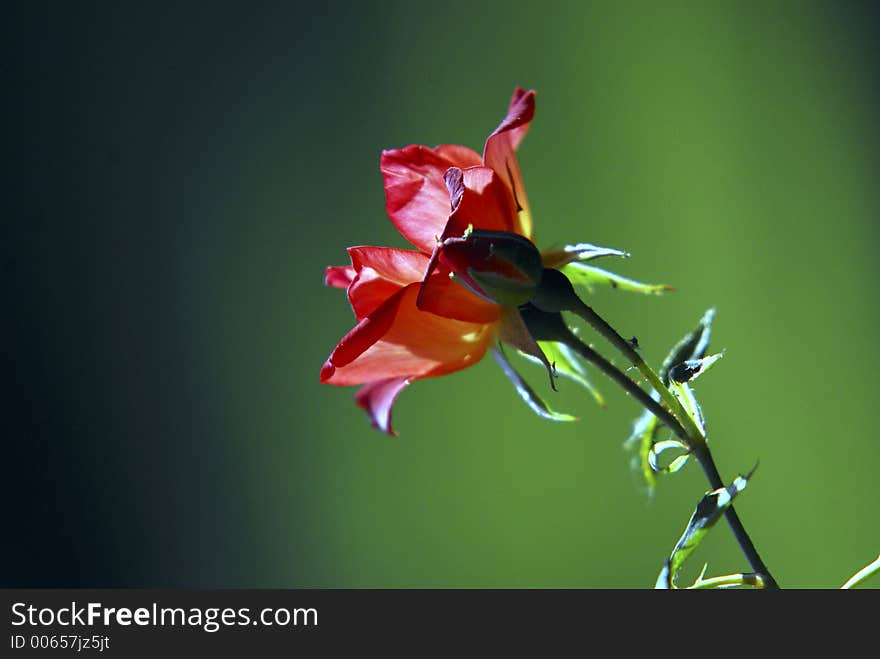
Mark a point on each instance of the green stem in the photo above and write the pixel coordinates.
(551, 327)
(693, 436)
(705, 460)
(626, 383)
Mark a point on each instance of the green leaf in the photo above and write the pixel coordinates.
(664, 579)
(708, 511)
(690, 370)
(692, 346)
(689, 402)
(679, 378)
(590, 276)
(566, 363)
(658, 448)
(535, 403)
(647, 460)
(644, 435)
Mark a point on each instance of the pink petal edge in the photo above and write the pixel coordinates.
(339, 276)
(377, 398)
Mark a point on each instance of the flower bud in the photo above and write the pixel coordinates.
(501, 267)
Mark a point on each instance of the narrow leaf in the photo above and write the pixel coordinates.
(692, 346)
(708, 511)
(689, 402)
(664, 579)
(644, 435)
(566, 364)
(691, 369)
(591, 276)
(658, 448)
(535, 403)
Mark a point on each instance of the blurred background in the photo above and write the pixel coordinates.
(178, 177)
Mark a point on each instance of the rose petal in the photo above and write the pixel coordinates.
(498, 153)
(364, 335)
(416, 198)
(479, 199)
(448, 298)
(381, 272)
(339, 276)
(401, 266)
(377, 398)
(412, 343)
(460, 156)
(514, 126)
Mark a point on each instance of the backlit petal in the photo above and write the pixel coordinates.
(364, 335)
(412, 344)
(381, 272)
(479, 199)
(499, 153)
(445, 297)
(377, 398)
(401, 266)
(339, 276)
(460, 156)
(416, 198)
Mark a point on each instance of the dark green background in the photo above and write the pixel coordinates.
(178, 178)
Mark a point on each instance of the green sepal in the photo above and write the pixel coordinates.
(566, 364)
(558, 258)
(529, 396)
(590, 276)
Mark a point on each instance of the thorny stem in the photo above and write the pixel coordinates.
(678, 421)
(693, 435)
(627, 384)
(704, 457)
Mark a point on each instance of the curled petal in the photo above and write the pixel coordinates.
(499, 153)
(399, 340)
(514, 126)
(339, 276)
(479, 199)
(381, 272)
(416, 198)
(377, 398)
